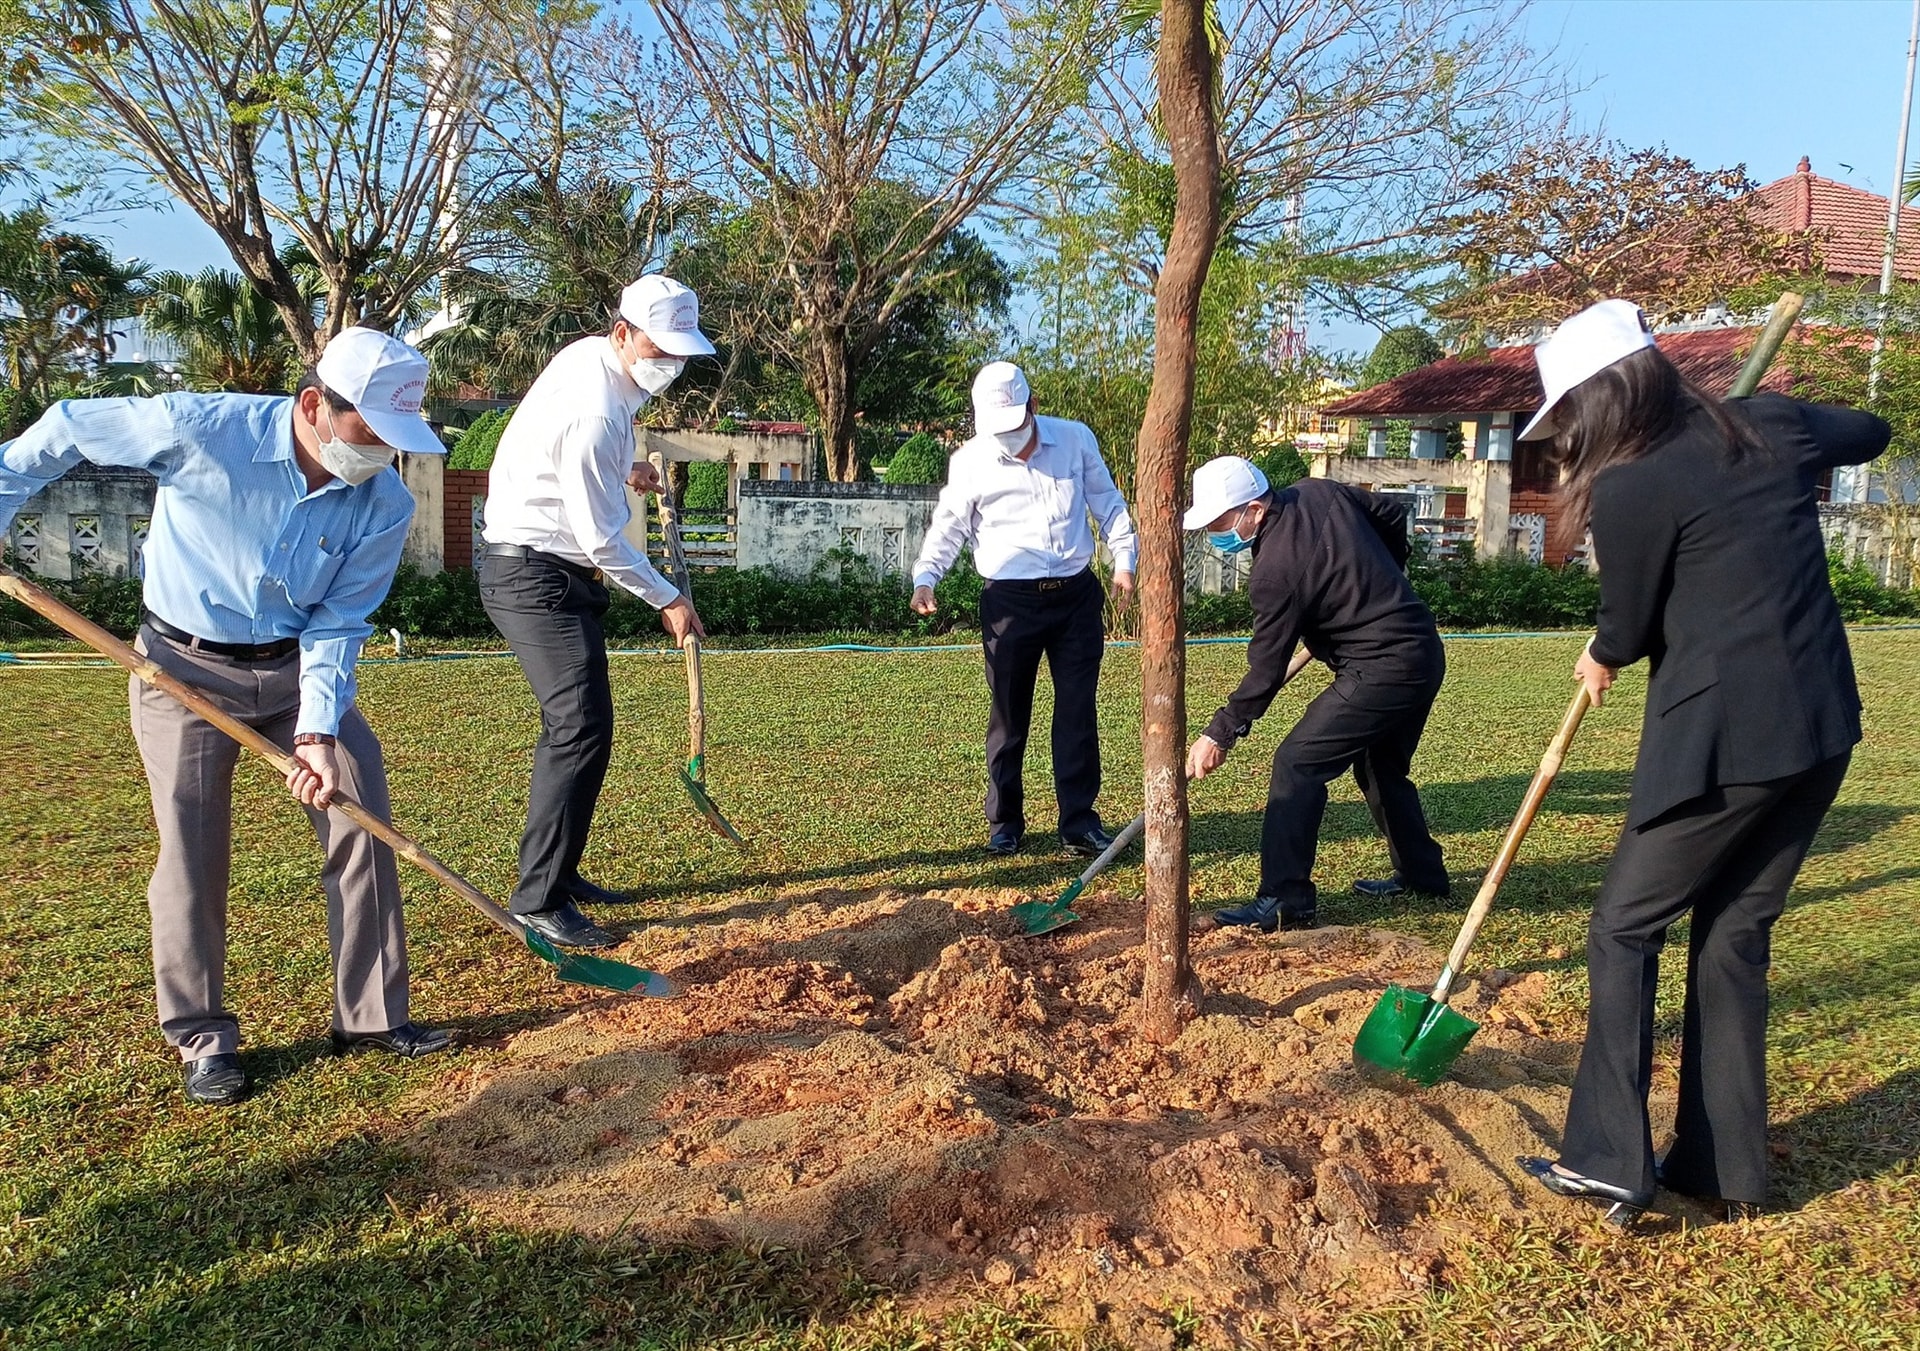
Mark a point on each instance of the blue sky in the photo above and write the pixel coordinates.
(1759, 82)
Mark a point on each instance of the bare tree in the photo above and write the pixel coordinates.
(817, 105)
(1348, 130)
(319, 124)
(1185, 73)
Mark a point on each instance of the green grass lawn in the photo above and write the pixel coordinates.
(129, 1218)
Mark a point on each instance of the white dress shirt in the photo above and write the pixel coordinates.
(559, 477)
(1027, 518)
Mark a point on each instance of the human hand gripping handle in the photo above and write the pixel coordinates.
(313, 777)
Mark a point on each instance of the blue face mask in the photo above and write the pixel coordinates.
(1229, 541)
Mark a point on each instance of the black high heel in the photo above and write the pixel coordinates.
(1625, 1206)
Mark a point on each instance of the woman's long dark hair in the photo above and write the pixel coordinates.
(1619, 414)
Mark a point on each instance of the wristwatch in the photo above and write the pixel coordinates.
(313, 739)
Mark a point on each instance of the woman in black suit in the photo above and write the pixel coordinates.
(1713, 568)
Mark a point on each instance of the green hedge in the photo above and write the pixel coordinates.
(844, 594)
(477, 444)
(920, 459)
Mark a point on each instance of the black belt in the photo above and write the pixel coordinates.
(1039, 583)
(272, 651)
(522, 551)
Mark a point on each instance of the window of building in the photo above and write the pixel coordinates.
(26, 540)
(83, 539)
(138, 528)
(850, 537)
(892, 538)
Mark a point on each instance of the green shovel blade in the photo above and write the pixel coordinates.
(697, 790)
(1410, 1035)
(583, 968)
(1040, 917)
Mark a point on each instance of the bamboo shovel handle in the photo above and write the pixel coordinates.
(109, 646)
(1785, 311)
(696, 687)
(1529, 807)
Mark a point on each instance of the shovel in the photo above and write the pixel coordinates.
(578, 967)
(1417, 1035)
(694, 777)
(1039, 917)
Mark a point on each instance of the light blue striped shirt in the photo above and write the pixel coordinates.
(239, 551)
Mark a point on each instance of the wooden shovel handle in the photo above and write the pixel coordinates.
(1529, 807)
(109, 646)
(696, 686)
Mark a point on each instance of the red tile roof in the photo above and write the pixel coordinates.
(1506, 380)
(1851, 224)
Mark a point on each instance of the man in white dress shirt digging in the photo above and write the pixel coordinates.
(556, 510)
(1020, 492)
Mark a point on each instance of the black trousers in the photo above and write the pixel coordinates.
(1371, 723)
(1729, 857)
(1020, 622)
(550, 616)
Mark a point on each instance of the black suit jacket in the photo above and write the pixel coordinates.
(1717, 574)
(1329, 569)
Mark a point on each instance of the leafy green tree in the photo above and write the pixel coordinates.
(61, 293)
(1399, 351)
(477, 444)
(920, 459)
(231, 336)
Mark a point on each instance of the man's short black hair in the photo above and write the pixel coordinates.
(312, 380)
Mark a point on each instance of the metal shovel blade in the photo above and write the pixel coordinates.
(1040, 917)
(583, 968)
(704, 805)
(1409, 1035)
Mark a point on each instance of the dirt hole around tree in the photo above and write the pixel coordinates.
(906, 1078)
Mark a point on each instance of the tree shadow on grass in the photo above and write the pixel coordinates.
(345, 1248)
(1829, 1148)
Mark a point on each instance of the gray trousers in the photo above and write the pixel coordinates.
(189, 765)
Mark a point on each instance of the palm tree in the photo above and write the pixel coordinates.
(231, 337)
(60, 293)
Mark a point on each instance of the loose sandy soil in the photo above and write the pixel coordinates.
(907, 1078)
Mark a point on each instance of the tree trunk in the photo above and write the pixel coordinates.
(1185, 72)
(829, 381)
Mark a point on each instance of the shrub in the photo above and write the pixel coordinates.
(1862, 595)
(444, 605)
(477, 444)
(921, 460)
(109, 599)
(1506, 592)
(1282, 465)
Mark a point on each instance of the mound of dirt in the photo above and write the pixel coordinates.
(907, 1077)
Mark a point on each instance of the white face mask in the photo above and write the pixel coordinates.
(654, 374)
(1015, 441)
(349, 461)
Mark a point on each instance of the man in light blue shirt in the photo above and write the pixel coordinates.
(276, 531)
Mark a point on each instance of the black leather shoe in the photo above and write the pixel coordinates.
(565, 927)
(1003, 843)
(216, 1080)
(1730, 1212)
(1087, 844)
(1268, 915)
(587, 893)
(1624, 1206)
(409, 1039)
(1383, 888)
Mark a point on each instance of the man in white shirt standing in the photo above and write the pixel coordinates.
(1020, 492)
(556, 512)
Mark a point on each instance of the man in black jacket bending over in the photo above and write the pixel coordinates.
(1328, 570)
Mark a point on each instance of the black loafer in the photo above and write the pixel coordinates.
(1384, 888)
(409, 1039)
(1003, 843)
(1268, 915)
(564, 926)
(1088, 843)
(216, 1080)
(1730, 1212)
(1624, 1206)
(587, 893)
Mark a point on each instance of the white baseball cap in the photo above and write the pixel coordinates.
(1000, 398)
(384, 379)
(1581, 348)
(668, 313)
(1219, 486)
